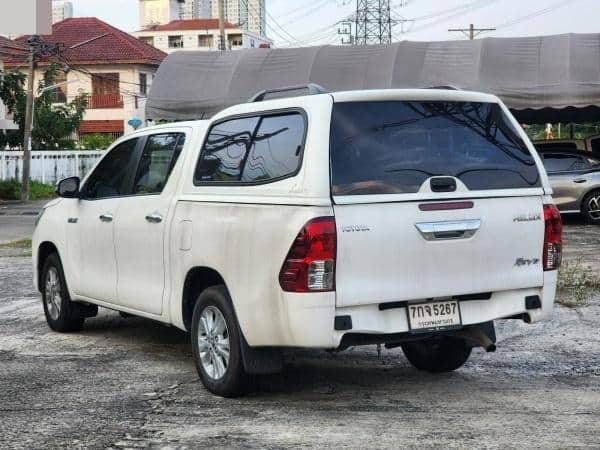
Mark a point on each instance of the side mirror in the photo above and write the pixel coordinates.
(68, 188)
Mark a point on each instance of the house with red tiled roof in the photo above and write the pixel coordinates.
(112, 67)
(199, 34)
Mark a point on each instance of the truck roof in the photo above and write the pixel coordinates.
(413, 94)
(343, 96)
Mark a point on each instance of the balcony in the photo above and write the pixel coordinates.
(105, 101)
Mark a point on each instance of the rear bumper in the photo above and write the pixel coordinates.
(310, 318)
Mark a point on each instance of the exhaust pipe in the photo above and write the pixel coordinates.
(478, 336)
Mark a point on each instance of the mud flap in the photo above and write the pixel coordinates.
(261, 360)
(84, 310)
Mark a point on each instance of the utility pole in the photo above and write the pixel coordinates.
(471, 32)
(373, 22)
(37, 49)
(33, 49)
(222, 39)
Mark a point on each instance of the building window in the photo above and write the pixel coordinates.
(175, 41)
(143, 84)
(148, 40)
(205, 40)
(59, 93)
(235, 40)
(105, 91)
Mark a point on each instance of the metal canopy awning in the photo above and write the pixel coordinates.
(543, 77)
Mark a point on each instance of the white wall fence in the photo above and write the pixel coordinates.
(49, 166)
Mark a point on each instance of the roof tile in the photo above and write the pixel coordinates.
(191, 24)
(88, 40)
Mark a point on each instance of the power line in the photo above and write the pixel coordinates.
(307, 12)
(478, 4)
(269, 16)
(535, 14)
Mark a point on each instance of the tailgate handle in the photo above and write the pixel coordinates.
(453, 229)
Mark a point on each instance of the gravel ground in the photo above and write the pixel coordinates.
(130, 383)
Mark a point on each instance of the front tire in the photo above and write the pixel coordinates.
(61, 313)
(216, 344)
(591, 207)
(437, 355)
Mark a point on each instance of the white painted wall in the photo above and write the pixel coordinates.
(160, 39)
(49, 167)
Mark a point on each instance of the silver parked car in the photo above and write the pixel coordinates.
(575, 179)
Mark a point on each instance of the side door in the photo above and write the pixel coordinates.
(93, 219)
(564, 170)
(141, 223)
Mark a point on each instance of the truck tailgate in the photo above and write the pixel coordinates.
(390, 252)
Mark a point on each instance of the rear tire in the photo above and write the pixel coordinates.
(437, 355)
(590, 207)
(216, 344)
(61, 313)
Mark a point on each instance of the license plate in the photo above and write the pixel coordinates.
(433, 316)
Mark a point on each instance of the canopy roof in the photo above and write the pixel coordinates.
(544, 75)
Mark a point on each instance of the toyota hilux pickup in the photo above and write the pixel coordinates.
(403, 218)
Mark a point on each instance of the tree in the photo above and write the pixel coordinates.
(53, 123)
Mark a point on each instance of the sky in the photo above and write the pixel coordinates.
(314, 22)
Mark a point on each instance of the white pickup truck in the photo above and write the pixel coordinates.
(410, 218)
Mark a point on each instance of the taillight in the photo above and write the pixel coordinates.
(552, 238)
(310, 263)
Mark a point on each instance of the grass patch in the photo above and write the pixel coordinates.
(11, 190)
(19, 255)
(23, 243)
(576, 283)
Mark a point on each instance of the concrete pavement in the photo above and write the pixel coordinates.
(131, 383)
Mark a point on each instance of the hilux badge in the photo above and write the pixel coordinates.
(353, 228)
(527, 218)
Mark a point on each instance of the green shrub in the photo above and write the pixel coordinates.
(96, 141)
(11, 190)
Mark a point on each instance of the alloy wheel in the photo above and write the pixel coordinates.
(53, 297)
(593, 206)
(213, 343)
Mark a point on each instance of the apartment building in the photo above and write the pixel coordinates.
(199, 34)
(249, 15)
(61, 10)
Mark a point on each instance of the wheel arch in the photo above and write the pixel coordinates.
(585, 194)
(196, 281)
(45, 249)
(595, 188)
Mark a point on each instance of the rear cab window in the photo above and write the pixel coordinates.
(393, 147)
(253, 149)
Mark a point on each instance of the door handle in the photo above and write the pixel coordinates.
(106, 217)
(154, 218)
(580, 180)
(454, 229)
